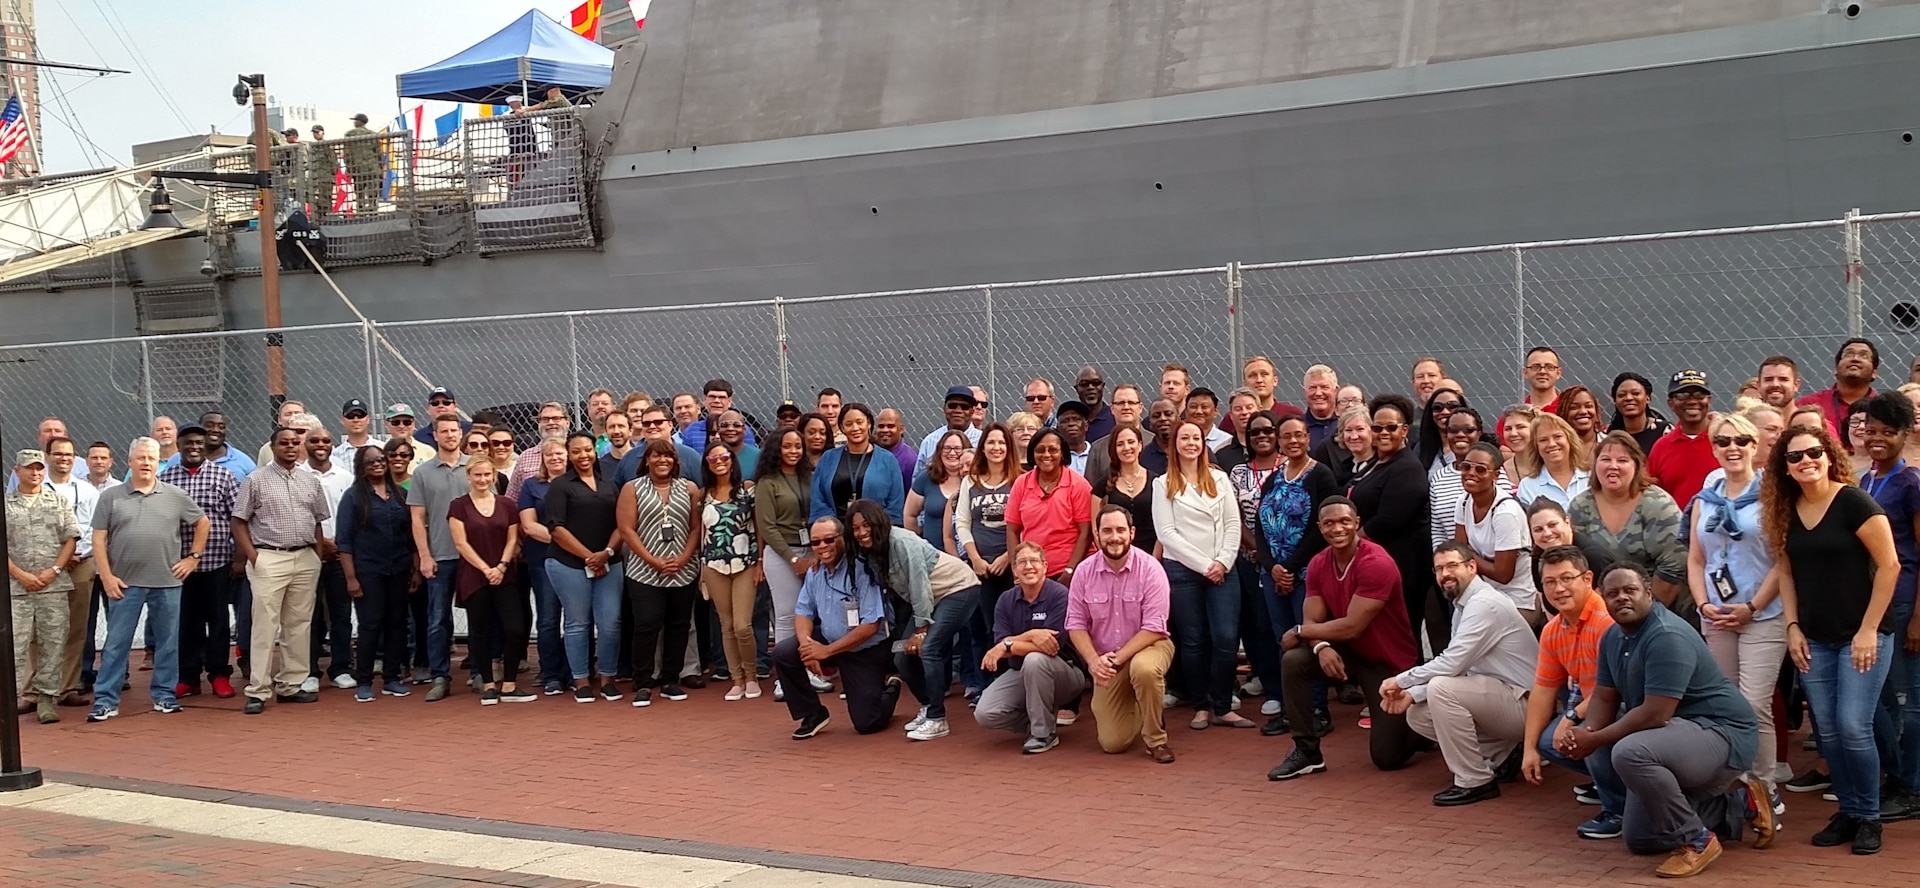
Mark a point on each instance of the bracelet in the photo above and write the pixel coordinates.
(1794, 625)
(1318, 645)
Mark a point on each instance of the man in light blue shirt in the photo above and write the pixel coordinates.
(840, 620)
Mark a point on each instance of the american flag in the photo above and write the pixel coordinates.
(13, 129)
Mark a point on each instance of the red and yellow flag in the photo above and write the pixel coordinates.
(586, 20)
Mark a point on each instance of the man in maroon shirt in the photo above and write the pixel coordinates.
(1355, 629)
(1853, 370)
(1683, 457)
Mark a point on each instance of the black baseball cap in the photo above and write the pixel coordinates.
(190, 428)
(349, 408)
(441, 391)
(1079, 407)
(786, 408)
(1687, 379)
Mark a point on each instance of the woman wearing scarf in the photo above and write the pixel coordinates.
(1728, 563)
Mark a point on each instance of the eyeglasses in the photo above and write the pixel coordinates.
(552, 418)
(1724, 440)
(1387, 428)
(1467, 468)
(1447, 566)
(1126, 403)
(950, 451)
(821, 541)
(1537, 368)
(720, 458)
(1817, 451)
(1455, 430)
(1031, 562)
(1035, 399)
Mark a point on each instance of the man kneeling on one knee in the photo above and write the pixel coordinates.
(1038, 672)
(840, 620)
(1472, 697)
(1117, 618)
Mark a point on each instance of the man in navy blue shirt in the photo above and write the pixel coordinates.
(841, 621)
(1669, 726)
(1032, 652)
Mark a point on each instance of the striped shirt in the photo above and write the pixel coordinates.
(281, 507)
(212, 488)
(1572, 652)
(663, 526)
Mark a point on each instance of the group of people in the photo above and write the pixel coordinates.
(1642, 598)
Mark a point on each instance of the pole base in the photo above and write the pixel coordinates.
(14, 781)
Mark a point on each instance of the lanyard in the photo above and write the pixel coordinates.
(1874, 484)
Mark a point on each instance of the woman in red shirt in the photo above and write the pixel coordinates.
(1052, 506)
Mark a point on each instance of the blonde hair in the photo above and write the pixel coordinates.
(481, 460)
(1741, 425)
(554, 442)
(1527, 459)
(1321, 370)
(1022, 420)
(1177, 480)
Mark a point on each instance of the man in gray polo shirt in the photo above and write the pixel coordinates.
(436, 484)
(136, 554)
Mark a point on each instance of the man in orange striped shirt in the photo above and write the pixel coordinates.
(1563, 682)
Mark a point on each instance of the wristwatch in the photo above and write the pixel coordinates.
(1009, 645)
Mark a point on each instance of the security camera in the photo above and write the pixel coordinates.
(208, 268)
(241, 93)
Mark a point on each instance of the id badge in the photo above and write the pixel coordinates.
(1723, 586)
(806, 537)
(853, 616)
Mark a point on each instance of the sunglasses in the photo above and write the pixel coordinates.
(475, 445)
(1457, 431)
(1818, 451)
(402, 454)
(439, 402)
(400, 421)
(313, 440)
(720, 458)
(1263, 430)
(354, 415)
(1035, 399)
(731, 425)
(1445, 406)
(1724, 440)
(653, 423)
(500, 442)
(962, 405)
(821, 541)
(1467, 468)
(1388, 428)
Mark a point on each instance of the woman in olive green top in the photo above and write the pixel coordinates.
(1623, 513)
(782, 485)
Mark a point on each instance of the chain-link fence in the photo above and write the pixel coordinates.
(1716, 301)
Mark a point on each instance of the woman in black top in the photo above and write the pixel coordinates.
(1129, 485)
(375, 536)
(1391, 497)
(1432, 436)
(580, 516)
(1836, 565)
(1349, 450)
(1631, 414)
(816, 437)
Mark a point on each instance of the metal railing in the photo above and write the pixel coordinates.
(1717, 301)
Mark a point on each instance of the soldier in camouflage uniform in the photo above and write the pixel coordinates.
(321, 165)
(41, 536)
(363, 164)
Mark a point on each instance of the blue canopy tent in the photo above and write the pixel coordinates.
(526, 57)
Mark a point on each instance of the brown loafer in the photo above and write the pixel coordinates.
(1685, 861)
(1162, 754)
(76, 698)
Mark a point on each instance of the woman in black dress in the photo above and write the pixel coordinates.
(1129, 485)
(1391, 496)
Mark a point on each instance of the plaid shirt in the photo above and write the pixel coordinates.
(282, 507)
(212, 488)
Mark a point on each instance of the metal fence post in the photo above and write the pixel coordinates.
(1856, 274)
(1235, 347)
(987, 292)
(780, 343)
(373, 366)
(146, 376)
(1520, 312)
(366, 345)
(573, 362)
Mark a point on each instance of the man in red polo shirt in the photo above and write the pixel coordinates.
(1682, 458)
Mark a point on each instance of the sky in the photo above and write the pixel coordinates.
(339, 55)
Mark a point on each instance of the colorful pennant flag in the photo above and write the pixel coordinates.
(586, 20)
(446, 125)
(493, 110)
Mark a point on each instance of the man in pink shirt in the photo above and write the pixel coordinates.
(1117, 618)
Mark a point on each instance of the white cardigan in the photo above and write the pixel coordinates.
(1197, 530)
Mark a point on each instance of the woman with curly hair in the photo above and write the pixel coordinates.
(1581, 410)
(1837, 567)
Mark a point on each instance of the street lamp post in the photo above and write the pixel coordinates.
(13, 775)
(253, 87)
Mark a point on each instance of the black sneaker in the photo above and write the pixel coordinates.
(720, 675)
(1276, 726)
(642, 698)
(583, 694)
(490, 696)
(1896, 806)
(1866, 839)
(518, 695)
(763, 673)
(1586, 794)
(1509, 768)
(812, 724)
(1840, 830)
(552, 689)
(1322, 723)
(673, 692)
(609, 691)
(1299, 763)
(1812, 781)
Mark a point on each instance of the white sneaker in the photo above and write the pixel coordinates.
(344, 682)
(820, 685)
(932, 729)
(1170, 700)
(1253, 688)
(914, 723)
(1271, 707)
(311, 685)
(779, 693)
(1782, 772)
(1236, 702)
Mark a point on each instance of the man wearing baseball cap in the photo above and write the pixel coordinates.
(42, 535)
(1682, 458)
(401, 422)
(355, 418)
(958, 411)
(439, 400)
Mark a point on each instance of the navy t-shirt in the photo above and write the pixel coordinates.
(1014, 615)
(1898, 492)
(1664, 657)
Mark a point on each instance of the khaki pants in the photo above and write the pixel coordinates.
(732, 596)
(1750, 657)
(1131, 705)
(74, 645)
(39, 629)
(1476, 719)
(283, 590)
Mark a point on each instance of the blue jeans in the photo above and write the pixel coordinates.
(1257, 636)
(929, 678)
(163, 614)
(1613, 793)
(546, 626)
(1900, 707)
(1843, 700)
(1206, 624)
(762, 628)
(440, 619)
(1287, 610)
(594, 603)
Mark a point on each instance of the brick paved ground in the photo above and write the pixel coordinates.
(40, 849)
(726, 773)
